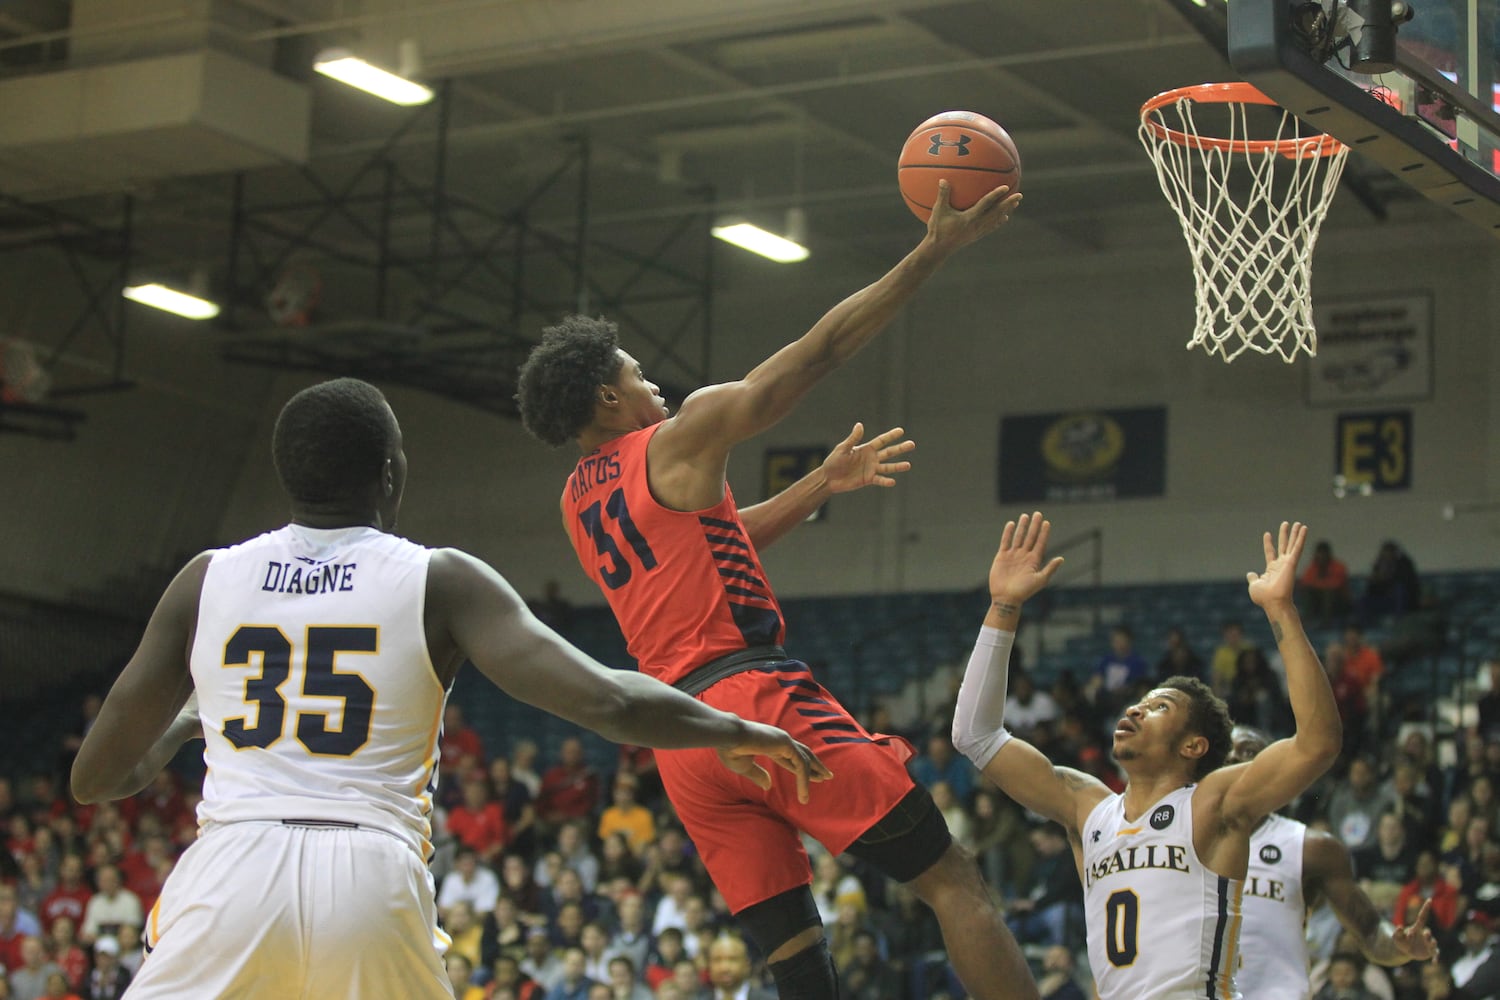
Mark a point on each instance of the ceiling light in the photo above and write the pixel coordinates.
(172, 301)
(749, 236)
(350, 69)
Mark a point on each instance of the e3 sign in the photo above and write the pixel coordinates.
(1375, 448)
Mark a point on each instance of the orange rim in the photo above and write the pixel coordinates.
(1231, 93)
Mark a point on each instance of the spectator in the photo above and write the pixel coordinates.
(479, 823)
(461, 976)
(504, 933)
(523, 758)
(1414, 806)
(1325, 587)
(28, 981)
(617, 861)
(623, 984)
(628, 816)
(459, 743)
(1226, 658)
(1478, 942)
(506, 974)
(867, 976)
(515, 802)
(1117, 673)
(570, 789)
(541, 963)
(1001, 844)
(729, 971)
(109, 979)
(1256, 697)
(69, 897)
(516, 881)
(1057, 982)
(960, 826)
(463, 926)
(690, 980)
(1468, 858)
(1050, 906)
(594, 942)
(632, 938)
(1345, 974)
(132, 954)
(580, 871)
(1486, 897)
(572, 983)
(1349, 695)
(15, 925)
(62, 944)
(33, 884)
(941, 763)
(1388, 864)
(468, 882)
(1392, 587)
(1356, 805)
(57, 988)
(1363, 663)
(1178, 659)
(670, 949)
(1026, 707)
(832, 884)
(110, 907)
(1427, 885)
(1488, 727)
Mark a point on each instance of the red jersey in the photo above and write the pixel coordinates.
(686, 587)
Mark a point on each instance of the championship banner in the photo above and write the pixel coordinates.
(1084, 455)
(1371, 349)
(784, 466)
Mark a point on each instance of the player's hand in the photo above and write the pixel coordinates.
(1274, 585)
(1415, 941)
(1017, 572)
(768, 741)
(852, 466)
(951, 228)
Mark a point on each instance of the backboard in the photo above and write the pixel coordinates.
(1420, 97)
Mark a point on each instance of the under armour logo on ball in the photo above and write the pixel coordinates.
(962, 142)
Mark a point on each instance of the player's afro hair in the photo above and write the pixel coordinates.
(556, 386)
(1208, 717)
(331, 441)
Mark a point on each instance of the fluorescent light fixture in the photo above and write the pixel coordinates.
(350, 69)
(751, 237)
(172, 301)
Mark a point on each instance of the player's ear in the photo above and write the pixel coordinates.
(1194, 747)
(608, 396)
(388, 477)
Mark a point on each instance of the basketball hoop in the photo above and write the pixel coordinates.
(1250, 210)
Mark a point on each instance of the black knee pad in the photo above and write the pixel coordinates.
(906, 841)
(773, 922)
(807, 975)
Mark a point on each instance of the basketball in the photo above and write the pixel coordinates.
(974, 154)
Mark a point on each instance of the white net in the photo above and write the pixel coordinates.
(1250, 210)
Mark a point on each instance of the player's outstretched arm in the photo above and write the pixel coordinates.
(717, 417)
(1287, 767)
(1019, 570)
(850, 466)
(139, 720)
(1327, 867)
(473, 612)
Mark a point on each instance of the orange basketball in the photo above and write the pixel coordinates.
(971, 152)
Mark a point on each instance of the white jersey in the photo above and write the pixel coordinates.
(316, 692)
(1273, 940)
(1161, 926)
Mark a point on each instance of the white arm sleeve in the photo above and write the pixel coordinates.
(979, 718)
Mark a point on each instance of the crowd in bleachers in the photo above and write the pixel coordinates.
(562, 874)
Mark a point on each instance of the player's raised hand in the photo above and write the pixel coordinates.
(1018, 571)
(1415, 940)
(951, 228)
(852, 465)
(1274, 585)
(768, 741)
